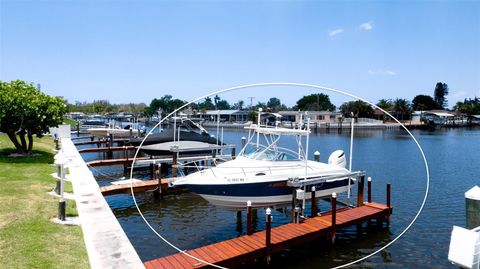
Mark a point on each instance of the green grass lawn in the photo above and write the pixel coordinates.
(28, 239)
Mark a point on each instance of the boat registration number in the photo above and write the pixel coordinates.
(236, 179)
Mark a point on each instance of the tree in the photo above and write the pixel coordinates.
(275, 105)
(385, 104)
(441, 90)
(423, 102)
(316, 102)
(223, 104)
(469, 106)
(402, 107)
(207, 104)
(239, 105)
(359, 108)
(166, 103)
(25, 111)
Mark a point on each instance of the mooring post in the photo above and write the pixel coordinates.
(159, 192)
(59, 176)
(334, 216)
(78, 128)
(268, 231)
(314, 202)
(110, 144)
(316, 156)
(249, 217)
(233, 153)
(174, 164)
(214, 156)
(55, 139)
(369, 189)
(297, 214)
(294, 201)
(361, 182)
(62, 203)
(388, 204)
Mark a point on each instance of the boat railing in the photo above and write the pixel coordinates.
(299, 183)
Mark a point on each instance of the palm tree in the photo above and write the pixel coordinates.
(385, 104)
(402, 107)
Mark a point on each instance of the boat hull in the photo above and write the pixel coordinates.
(263, 194)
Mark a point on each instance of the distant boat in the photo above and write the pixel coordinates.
(185, 134)
(116, 132)
(260, 173)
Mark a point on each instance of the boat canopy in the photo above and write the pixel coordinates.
(276, 130)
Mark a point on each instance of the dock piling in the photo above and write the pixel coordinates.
(334, 216)
(62, 203)
(369, 189)
(268, 230)
(388, 203)
(361, 181)
(174, 164)
(249, 217)
(294, 201)
(314, 202)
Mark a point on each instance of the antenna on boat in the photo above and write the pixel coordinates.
(218, 126)
(306, 161)
(258, 125)
(352, 120)
(174, 126)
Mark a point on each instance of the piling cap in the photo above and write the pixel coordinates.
(269, 211)
(334, 195)
(369, 178)
(249, 203)
(473, 193)
(316, 152)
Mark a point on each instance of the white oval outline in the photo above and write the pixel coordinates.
(292, 84)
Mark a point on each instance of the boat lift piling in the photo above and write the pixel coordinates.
(249, 217)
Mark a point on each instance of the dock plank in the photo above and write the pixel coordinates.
(237, 250)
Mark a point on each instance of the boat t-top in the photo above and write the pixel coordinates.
(265, 173)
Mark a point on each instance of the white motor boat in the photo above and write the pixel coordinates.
(116, 132)
(261, 173)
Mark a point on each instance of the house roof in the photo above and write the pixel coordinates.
(285, 113)
(223, 112)
(440, 114)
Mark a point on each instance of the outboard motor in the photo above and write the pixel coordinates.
(337, 158)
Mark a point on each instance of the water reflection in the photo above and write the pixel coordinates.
(388, 156)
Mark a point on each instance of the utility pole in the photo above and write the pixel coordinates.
(251, 100)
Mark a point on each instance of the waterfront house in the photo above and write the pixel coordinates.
(315, 116)
(228, 115)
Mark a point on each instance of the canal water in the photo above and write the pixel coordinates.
(453, 155)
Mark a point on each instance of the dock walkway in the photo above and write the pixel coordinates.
(248, 247)
(140, 186)
(106, 242)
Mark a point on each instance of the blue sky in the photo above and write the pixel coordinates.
(133, 51)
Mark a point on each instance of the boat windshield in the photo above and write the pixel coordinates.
(268, 154)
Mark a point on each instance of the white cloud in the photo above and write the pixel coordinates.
(382, 72)
(335, 32)
(367, 26)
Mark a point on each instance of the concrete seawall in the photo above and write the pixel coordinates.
(106, 242)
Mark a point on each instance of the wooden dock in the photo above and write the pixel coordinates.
(140, 186)
(235, 251)
(107, 149)
(99, 142)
